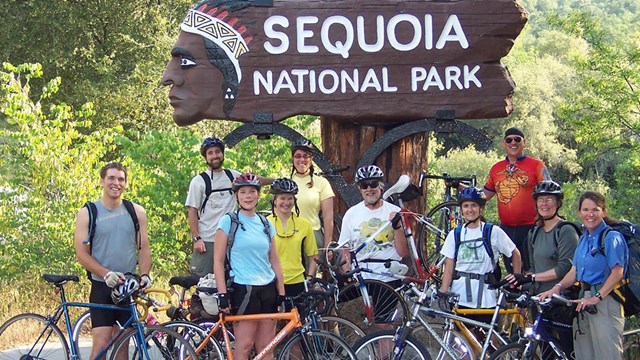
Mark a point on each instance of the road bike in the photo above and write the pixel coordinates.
(34, 336)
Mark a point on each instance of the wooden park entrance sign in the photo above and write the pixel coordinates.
(364, 66)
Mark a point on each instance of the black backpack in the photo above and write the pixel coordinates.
(208, 190)
(628, 292)
(533, 233)
(93, 216)
(486, 241)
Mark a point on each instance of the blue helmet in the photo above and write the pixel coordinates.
(472, 194)
(209, 142)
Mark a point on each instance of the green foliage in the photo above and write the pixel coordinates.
(52, 172)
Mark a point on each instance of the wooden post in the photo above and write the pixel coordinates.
(348, 142)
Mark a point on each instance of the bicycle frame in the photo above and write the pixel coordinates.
(63, 311)
(292, 324)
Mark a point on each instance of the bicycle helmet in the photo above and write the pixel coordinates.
(548, 187)
(369, 172)
(245, 179)
(209, 142)
(284, 186)
(472, 194)
(121, 293)
(304, 145)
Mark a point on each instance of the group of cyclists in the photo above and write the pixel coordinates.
(269, 258)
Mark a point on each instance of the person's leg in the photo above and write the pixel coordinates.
(102, 320)
(582, 342)
(245, 333)
(607, 341)
(265, 333)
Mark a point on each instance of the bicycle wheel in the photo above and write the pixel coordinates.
(82, 332)
(195, 335)
(316, 344)
(456, 341)
(160, 343)
(445, 216)
(514, 351)
(389, 308)
(343, 328)
(380, 345)
(31, 336)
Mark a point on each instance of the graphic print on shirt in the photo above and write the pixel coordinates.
(509, 186)
(383, 241)
(471, 252)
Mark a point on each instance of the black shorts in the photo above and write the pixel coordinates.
(101, 294)
(254, 299)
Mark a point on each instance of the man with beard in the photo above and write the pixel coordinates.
(210, 197)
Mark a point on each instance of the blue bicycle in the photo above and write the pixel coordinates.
(33, 336)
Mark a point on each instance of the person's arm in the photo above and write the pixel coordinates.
(265, 180)
(274, 259)
(399, 240)
(516, 261)
(566, 281)
(567, 243)
(192, 216)
(488, 193)
(447, 275)
(219, 258)
(144, 254)
(82, 250)
(310, 249)
(326, 206)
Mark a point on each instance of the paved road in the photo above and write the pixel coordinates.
(85, 351)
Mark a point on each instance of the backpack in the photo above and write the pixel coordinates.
(486, 241)
(208, 190)
(533, 233)
(628, 292)
(235, 224)
(93, 216)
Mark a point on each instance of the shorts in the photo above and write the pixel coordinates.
(254, 299)
(101, 294)
(202, 263)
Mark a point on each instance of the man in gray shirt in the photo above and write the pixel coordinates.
(110, 247)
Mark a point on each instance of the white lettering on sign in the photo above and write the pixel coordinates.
(431, 77)
(328, 81)
(421, 32)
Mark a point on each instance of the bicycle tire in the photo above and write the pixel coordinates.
(456, 341)
(17, 338)
(389, 306)
(343, 328)
(317, 344)
(160, 343)
(442, 218)
(631, 350)
(81, 328)
(513, 351)
(380, 345)
(195, 334)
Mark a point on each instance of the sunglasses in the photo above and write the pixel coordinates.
(509, 140)
(302, 156)
(369, 184)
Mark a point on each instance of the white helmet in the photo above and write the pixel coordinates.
(121, 293)
(369, 172)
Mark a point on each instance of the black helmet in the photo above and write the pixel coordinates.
(284, 186)
(369, 172)
(472, 194)
(304, 145)
(209, 142)
(245, 179)
(548, 187)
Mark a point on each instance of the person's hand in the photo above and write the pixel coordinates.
(199, 246)
(282, 304)
(452, 184)
(145, 282)
(224, 303)
(549, 293)
(519, 279)
(113, 278)
(584, 302)
(395, 219)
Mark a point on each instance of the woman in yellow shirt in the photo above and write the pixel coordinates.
(294, 236)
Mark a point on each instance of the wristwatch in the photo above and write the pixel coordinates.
(598, 295)
(533, 278)
(196, 238)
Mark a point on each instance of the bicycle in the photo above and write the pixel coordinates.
(307, 342)
(445, 216)
(47, 340)
(442, 340)
(631, 345)
(530, 346)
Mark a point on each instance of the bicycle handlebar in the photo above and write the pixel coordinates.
(471, 181)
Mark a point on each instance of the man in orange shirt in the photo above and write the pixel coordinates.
(513, 180)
